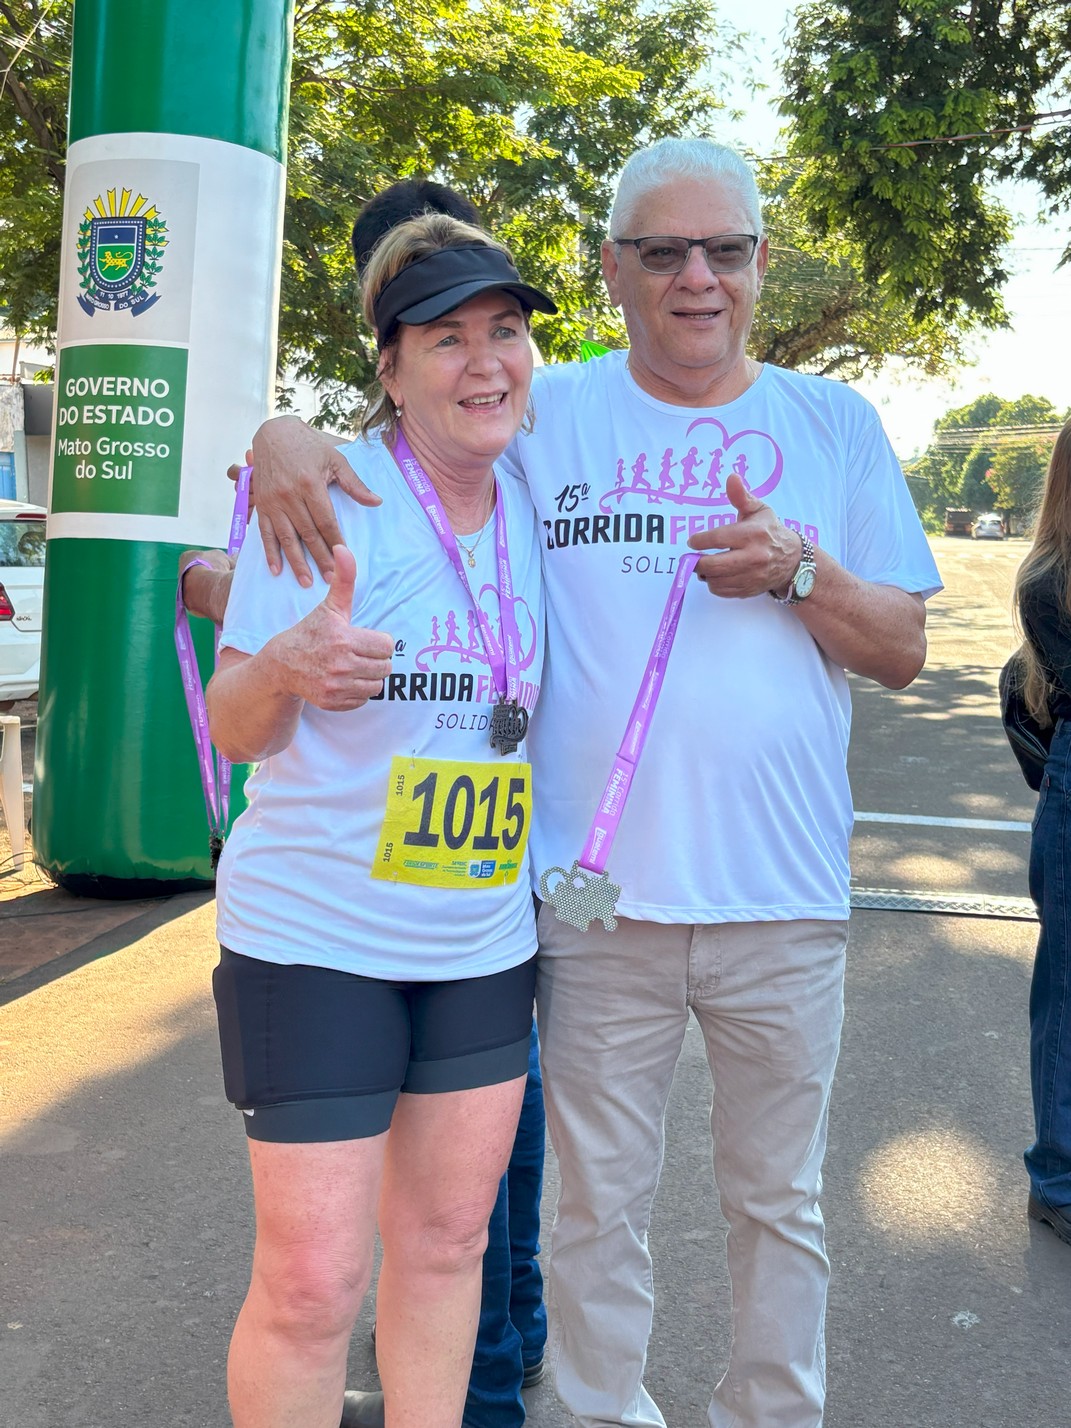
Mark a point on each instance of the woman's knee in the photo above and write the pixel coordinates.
(442, 1239)
(311, 1292)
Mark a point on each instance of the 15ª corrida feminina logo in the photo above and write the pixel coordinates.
(120, 254)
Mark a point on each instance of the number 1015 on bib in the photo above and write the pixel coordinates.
(449, 824)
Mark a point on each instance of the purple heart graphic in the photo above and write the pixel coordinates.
(526, 625)
(761, 456)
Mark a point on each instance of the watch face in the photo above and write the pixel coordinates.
(804, 583)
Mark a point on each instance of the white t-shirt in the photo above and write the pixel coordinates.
(741, 809)
(294, 881)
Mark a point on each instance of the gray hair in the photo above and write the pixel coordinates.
(668, 159)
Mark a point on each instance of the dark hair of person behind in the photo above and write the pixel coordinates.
(1049, 556)
(409, 198)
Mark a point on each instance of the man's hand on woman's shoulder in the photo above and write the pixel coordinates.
(294, 465)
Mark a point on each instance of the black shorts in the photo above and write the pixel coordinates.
(311, 1054)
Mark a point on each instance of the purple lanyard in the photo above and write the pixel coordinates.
(217, 788)
(611, 807)
(504, 659)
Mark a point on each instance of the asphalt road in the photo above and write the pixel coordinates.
(125, 1225)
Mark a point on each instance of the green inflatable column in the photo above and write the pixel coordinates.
(172, 235)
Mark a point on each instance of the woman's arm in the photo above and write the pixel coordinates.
(255, 701)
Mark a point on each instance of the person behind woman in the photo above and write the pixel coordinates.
(1043, 600)
(375, 983)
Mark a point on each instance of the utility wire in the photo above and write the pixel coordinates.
(25, 41)
(1061, 115)
(966, 438)
(1050, 118)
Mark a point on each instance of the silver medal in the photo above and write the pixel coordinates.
(509, 721)
(581, 897)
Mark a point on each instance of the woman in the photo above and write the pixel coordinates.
(375, 984)
(1043, 598)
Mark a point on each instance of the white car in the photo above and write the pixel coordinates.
(988, 527)
(22, 588)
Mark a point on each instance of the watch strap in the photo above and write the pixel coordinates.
(807, 562)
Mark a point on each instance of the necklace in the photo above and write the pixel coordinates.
(470, 550)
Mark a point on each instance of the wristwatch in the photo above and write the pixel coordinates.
(802, 583)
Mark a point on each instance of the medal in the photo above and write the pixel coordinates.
(509, 722)
(581, 896)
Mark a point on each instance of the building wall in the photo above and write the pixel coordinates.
(38, 451)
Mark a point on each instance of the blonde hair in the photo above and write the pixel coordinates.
(1049, 555)
(404, 244)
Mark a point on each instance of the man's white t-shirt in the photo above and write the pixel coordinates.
(741, 809)
(294, 881)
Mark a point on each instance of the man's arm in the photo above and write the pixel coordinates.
(294, 466)
(877, 631)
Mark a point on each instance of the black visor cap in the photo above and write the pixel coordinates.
(445, 279)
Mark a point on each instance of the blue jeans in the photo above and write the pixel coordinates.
(513, 1322)
(1048, 1160)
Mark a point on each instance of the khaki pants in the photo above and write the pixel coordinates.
(613, 1008)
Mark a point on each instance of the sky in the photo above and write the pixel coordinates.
(1032, 356)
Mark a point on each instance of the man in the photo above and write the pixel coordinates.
(732, 852)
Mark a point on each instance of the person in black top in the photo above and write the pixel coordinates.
(1043, 601)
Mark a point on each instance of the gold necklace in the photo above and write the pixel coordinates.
(470, 550)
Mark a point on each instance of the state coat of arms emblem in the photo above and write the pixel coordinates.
(120, 254)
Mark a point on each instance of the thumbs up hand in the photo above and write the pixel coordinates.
(343, 580)
(755, 554)
(326, 660)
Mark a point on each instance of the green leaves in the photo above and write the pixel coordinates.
(822, 312)
(33, 116)
(530, 108)
(990, 453)
(863, 73)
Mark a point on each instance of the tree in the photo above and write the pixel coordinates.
(866, 78)
(975, 487)
(821, 313)
(991, 453)
(1018, 472)
(933, 480)
(35, 45)
(529, 107)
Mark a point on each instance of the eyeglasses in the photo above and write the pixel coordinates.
(724, 254)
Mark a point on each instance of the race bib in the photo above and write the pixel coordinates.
(450, 824)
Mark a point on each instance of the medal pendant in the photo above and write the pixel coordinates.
(215, 848)
(509, 720)
(580, 897)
